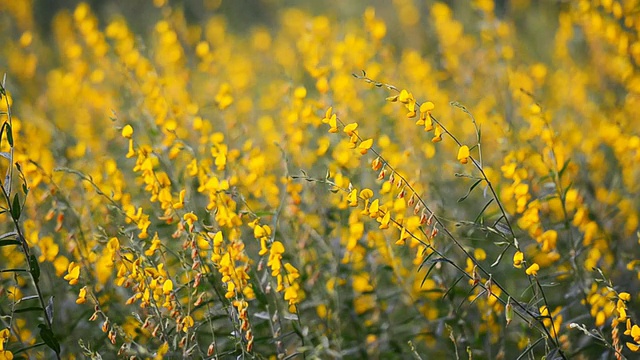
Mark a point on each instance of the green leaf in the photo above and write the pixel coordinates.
(470, 190)
(9, 135)
(47, 336)
(27, 309)
(15, 208)
(500, 257)
(482, 211)
(34, 268)
(9, 242)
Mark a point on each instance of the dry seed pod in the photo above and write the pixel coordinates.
(416, 209)
(434, 232)
(376, 164)
(423, 218)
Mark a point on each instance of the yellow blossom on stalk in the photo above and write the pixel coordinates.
(634, 332)
(352, 198)
(349, 129)
(73, 273)
(82, 296)
(5, 334)
(167, 287)
(533, 269)
(333, 124)
(518, 259)
(187, 323)
(127, 131)
(190, 219)
(437, 135)
(463, 154)
(365, 145)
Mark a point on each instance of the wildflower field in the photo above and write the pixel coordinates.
(272, 179)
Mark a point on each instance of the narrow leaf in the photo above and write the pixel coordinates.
(470, 190)
(47, 336)
(5, 155)
(34, 268)
(499, 257)
(27, 309)
(9, 135)
(9, 242)
(482, 211)
(15, 208)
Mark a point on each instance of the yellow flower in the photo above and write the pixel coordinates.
(82, 296)
(365, 145)
(167, 287)
(463, 154)
(4, 337)
(533, 269)
(73, 273)
(127, 131)
(350, 128)
(187, 322)
(518, 259)
(190, 219)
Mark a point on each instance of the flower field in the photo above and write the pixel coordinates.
(272, 179)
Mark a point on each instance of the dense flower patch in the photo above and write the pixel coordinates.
(411, 179)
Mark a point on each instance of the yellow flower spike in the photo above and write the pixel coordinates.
(82, 296)
(350, 128)
(333, 124)
(352, 198)
(180, 203)
(533, 269)
(405, 96)
(167, 287)
(403, 236)
(366, 194)
(73, 273)
(633, 347)
(365, 146)
(384, 222)
(518, 259)
(437, 135)
(187, 323)
(426, 107)
(428, 123)
(463, 154)
(190, 219)
(374, 208)
(622, 314)
(127, 131)
(327, 115)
